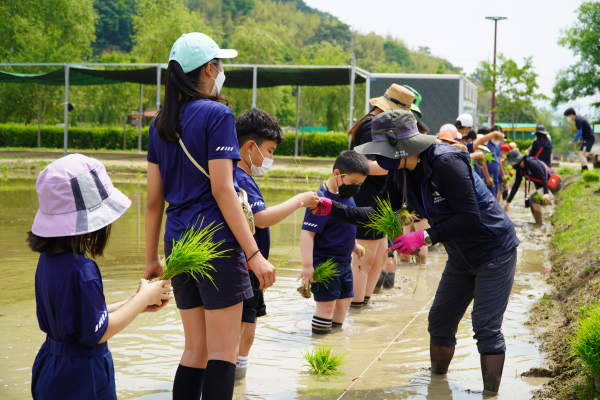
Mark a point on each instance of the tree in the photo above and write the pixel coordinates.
(395, 52)
(515, 87)
(580, 79)
(114, 28)
(54, 31)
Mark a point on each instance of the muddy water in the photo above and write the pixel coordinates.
(147, 352)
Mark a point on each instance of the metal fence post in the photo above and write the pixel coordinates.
(297, 119)
(254, 84)
(158, 72)
(66, 108)
(141, 118)
(351, 119)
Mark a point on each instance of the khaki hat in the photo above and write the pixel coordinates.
(395, 98)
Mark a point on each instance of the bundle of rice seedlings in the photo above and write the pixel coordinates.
(384, 220)
(489, 157)
(324, 274)
(192, 254)
(537, 197)
(590, 176)
(586, 342)
(322, 362)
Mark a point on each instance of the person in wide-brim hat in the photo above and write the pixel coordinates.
(395, 98)
(395, 135)
(437, 182)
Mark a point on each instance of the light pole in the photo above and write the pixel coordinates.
(495, 19)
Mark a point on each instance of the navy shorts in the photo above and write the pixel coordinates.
(363, 233)
(340, 287)
(488, 286)
(231, 278)
(255, 306)
(587, 144)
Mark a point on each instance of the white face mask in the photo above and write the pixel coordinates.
(496, 142)
(219, 81)
(264, 168)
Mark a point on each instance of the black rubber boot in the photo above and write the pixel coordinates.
(389, 282)
(440, 358)
(491, 371)
(379, 283)
(537, 215)
(584, 168)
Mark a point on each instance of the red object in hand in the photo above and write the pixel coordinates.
(410, 242)
(324, 207)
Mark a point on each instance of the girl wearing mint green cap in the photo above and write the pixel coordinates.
(192, 153)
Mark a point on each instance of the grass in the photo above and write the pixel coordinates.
(591, 176)
(586, 342)
(324, 274)
(322, 362)
(384, 220)
(564, 171)
(193, 253)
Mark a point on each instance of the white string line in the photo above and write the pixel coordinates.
(378, 358)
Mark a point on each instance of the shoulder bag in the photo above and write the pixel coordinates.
(243, 196)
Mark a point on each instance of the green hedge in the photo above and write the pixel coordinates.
(13, 135)
(523, 144)
(315, 144)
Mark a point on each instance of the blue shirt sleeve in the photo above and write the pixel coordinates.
(151, 150)
(578, 136)
(222, 138)
(314, 223)
(470, 147)
(91, 314)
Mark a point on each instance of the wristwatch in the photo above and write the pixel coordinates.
(427, 238)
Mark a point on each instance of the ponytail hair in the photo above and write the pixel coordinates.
(179, 89)
(354, 130)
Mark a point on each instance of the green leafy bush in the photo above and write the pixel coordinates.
(110, 138)
(315, 144)
(586, 342)
(524, 144)
(590, 176)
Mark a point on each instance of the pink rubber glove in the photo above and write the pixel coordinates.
(410, 242)
(324, 207)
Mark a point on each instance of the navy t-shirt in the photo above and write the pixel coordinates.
(257, 204)
(586, 129)
(494, 166)
(208, 132)
(333, 239)
(69, 297)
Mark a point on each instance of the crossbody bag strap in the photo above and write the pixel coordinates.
(192, 158)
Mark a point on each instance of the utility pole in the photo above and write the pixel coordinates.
(495, 19)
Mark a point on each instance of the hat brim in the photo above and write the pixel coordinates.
(82, 222)
(227, 53)
(543, 132)
(515, 161)
(384, 104)
(415, 108)
(405, 147)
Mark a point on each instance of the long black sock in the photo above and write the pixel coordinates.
(366, 300)
(584, 168)
(188, 383)
(219, 380)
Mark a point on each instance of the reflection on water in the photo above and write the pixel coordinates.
(147, 352)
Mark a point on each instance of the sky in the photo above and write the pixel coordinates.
(458, 31)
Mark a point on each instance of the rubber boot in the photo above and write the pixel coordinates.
(440, 358)
(491, 371)
(537, 215)
(379, 284)
(389, 282)
(584, 168)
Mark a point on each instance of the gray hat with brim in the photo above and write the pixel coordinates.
(514, 157)
(541, 128)
(394, 135)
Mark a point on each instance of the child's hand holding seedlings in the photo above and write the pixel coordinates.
(153, 269)
(154, 293)
(306, 276)
(359, 251)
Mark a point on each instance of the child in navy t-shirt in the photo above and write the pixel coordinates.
(78, 204)
(325, 238)
(259, 134)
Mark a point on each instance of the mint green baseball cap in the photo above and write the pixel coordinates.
(193, 50)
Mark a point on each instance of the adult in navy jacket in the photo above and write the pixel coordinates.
(437, 181)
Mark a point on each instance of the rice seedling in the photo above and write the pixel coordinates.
(537, 197)
(384, 220)
(586, 342)
(489, 157)
(323, 362)
(590, 176)
(192, 254)
(324, 274)
(566, 171)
